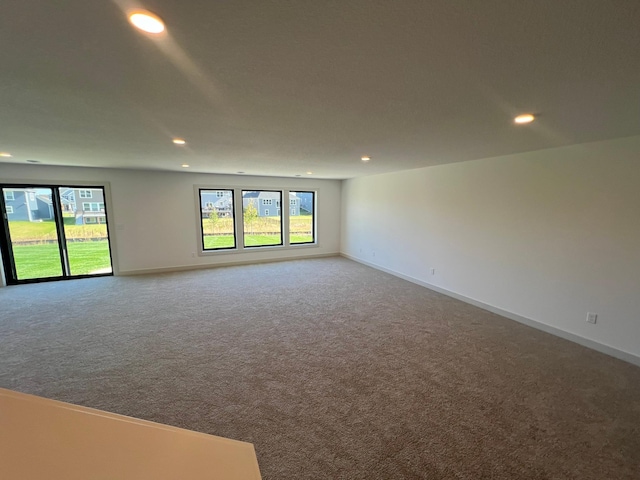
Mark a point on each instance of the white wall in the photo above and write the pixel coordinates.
(547, 235)
(152, 214)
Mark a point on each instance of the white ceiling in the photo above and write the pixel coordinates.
(274, 87)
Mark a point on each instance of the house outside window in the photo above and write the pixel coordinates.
(267, 201)
(9, 195)
(9, 210)
(85, 194)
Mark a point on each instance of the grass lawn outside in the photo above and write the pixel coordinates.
(293, 239)
(261, 240)
(46, 230)
(259, 233)
(226, 241)
(218, 241)
(41, 261)
(297, 224)
(300, 224)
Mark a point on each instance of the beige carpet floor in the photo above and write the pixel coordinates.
(332, 369)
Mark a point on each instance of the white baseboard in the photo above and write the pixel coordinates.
(184, 268)
(600, 347)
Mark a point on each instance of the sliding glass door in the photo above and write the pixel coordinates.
(35, 244)
(53, 232)
(85, 230)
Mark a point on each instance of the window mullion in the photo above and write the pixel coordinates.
(285, 217)
(239, 216)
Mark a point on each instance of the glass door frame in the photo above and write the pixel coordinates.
(6, 251)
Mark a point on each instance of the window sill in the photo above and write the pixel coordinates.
(271, 248)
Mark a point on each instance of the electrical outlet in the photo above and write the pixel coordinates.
(373, 254)
(193, 254)
(433, 271)
(592, 317)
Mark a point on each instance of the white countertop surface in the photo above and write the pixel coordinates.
(46, 439)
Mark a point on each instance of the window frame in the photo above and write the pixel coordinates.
(297, 204)
(13, 196)
(266, 214)
(238, 216)
(7, 256)
(82, 194)
(202, 248)
(9, 209)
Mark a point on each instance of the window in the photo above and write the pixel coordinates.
(37, 254)
(92, 206)
(302, 218)
(85, 193)
(260, 229)
(257, 216)
(9, 195)
(217, 224)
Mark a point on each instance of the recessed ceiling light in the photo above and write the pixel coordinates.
(309, 173)
(179, 141)
(33, 161)
(240, 172)
(147, 22)
(365, 158)
(524, 118)
(185, 165)
(298, 175)
(5, 154)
